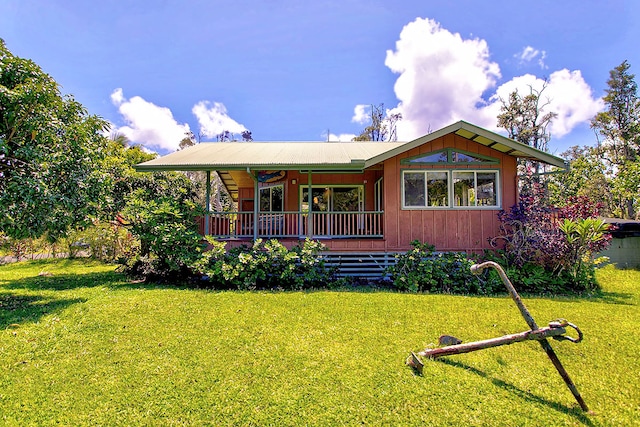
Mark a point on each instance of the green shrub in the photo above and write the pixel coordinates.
(421, 269)
(168, 235)
(264, 265)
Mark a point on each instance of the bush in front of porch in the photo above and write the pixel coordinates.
(266, 264)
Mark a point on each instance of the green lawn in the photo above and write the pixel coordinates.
(79, 345)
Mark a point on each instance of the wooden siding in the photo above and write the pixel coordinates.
(447, 229)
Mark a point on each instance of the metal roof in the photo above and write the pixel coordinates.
(326, 155)
(270, 155)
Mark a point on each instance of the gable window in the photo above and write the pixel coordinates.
(271, 198)
(450, 156)
(449, 189)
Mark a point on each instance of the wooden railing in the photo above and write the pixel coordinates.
(294, 224)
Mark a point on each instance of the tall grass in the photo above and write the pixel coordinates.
(80, 345)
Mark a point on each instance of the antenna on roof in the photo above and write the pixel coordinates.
(328, 134)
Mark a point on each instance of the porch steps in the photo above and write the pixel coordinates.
(360, 264)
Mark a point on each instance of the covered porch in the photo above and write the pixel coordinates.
(288, 190)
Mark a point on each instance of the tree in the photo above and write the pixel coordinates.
(524, 120)
(221, 200)
(619, 127)
(49, 149)
(228, 136)
(382, 127)
(586, 177)
(120, 139)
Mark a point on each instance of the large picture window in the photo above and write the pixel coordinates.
(449, 189)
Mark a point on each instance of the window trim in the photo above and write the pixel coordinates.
(450, 190)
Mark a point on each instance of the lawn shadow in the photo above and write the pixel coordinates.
(575, 412)
(16, 309)
(61, 282)
(620, 298)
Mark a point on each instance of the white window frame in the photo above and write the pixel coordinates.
(451, 192)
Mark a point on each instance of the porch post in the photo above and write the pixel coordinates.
(310, 203)
(208, 202)
(256, 205)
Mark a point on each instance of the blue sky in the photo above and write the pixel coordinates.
(295, 70)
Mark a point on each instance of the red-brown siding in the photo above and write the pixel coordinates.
(447, 229)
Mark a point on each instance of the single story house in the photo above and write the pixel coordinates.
(444, 188)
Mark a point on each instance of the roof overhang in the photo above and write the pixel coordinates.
(481, 136)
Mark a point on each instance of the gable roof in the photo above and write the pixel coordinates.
(481, 136)
(327, 155)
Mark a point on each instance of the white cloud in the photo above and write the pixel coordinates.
(444, 78)
(213, 119)
(152, 126)
(343, 137)
(530, 54)
(361, 114)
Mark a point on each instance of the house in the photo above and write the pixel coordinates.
(364, 198)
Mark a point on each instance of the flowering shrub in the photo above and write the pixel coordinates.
(265, 265)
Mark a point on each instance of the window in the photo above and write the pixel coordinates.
(449, 189)
(426, 188)
(378, 194)
(333, 199)
(271, 198)
(449, 156)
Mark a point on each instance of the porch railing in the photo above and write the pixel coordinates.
(294, 224)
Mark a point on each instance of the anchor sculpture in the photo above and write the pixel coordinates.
(556, 330)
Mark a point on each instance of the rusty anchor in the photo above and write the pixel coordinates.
(556, 330)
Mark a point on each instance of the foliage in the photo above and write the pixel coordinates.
(523, 118)
(49, 152)
(383, 125)
(583, 236)
(107, 241)
(161, 214)
(586, 178)
(619, 127)
(265, 265)
(542, 244)
(421, 269)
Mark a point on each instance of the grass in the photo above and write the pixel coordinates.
(80, 345)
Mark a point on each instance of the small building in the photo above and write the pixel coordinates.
(445, 188)
(624, 248)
